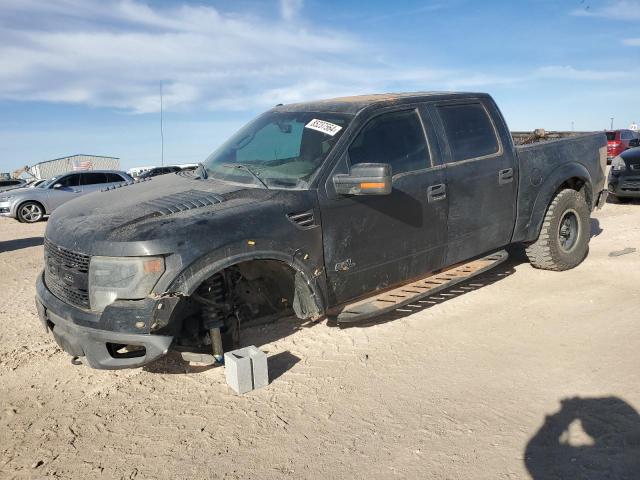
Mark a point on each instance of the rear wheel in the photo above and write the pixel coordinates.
(30, 212)
(564, 238)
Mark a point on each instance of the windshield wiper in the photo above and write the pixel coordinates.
(241, 166)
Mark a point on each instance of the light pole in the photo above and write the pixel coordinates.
(612, 123)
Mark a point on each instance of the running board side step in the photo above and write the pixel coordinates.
(411, 292)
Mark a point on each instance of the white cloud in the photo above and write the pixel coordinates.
(289, 9)
(116, 54)
(567, 72)
(632, 42)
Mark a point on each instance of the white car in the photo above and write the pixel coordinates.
(30, 205)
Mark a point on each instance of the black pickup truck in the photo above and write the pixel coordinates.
(342, 208)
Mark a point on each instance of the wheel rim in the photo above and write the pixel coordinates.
(568, 230)
(31, 212)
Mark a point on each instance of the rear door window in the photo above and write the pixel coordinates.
(395, 138)
(469, 131)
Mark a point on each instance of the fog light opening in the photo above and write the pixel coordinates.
(120, 350)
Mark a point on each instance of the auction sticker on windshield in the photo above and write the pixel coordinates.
(324, 127)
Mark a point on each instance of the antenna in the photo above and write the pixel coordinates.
(161, 129)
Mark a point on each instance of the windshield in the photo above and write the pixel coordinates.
(611, 136)
(47, 183)
(281, 149)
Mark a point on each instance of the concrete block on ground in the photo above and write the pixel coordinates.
(246, 369)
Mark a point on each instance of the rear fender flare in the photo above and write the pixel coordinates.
(548, 190)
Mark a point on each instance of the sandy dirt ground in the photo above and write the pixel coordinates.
(474, 383)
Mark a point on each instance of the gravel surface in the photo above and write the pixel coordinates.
(520, 373)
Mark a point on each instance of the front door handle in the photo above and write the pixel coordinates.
(505, 176)
(436, 192)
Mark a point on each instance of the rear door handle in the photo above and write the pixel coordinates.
(505, 176)
(436, 192)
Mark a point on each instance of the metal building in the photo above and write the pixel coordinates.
(57, 166)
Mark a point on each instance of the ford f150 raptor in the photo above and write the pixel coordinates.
(344, 208)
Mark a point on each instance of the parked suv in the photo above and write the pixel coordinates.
(618, 141)
(30, 205)
(154, 172)
(10, 184)
(624, 176)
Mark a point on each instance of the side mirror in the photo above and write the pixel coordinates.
(635, 142)
(364, 179)
(57, 186)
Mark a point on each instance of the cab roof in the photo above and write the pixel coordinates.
(356, 103)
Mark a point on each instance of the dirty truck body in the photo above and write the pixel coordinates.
(309, 208)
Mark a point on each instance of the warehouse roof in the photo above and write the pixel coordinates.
(78, 155)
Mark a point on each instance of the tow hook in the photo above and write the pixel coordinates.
(76, 361)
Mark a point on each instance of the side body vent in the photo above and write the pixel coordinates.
(183, 201)
(303, 220)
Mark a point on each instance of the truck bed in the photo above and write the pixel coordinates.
(542, 135)
(542, 162)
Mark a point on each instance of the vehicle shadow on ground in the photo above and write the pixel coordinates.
(173, 363)
(20, 243)
(595, 228)
(284, 327)
(623, 201)
(589, 439)
(516, 257)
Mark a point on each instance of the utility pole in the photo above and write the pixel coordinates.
(161, 130)
(572, 126)
(612, 123)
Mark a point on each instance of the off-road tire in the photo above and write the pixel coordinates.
(30, 212)
(549, 252)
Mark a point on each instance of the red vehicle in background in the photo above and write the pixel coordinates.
(618, 142)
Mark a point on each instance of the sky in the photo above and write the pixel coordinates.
(84, 76)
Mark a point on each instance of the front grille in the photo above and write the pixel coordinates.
(633, 185)
(66, 274)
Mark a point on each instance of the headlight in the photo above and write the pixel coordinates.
(112, 278)
(618, 165)
(6, 198)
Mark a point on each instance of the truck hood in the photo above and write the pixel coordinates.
(149, 216)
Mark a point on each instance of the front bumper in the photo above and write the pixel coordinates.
(7, 209)
(98, 347)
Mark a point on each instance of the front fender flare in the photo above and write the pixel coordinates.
(192, 277)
